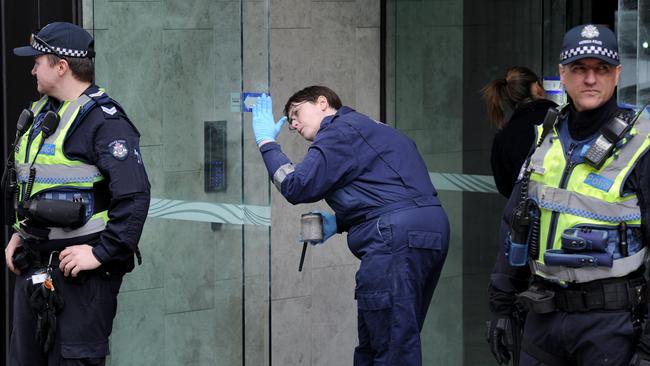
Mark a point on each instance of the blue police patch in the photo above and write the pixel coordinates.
(118, 149)
(48, 149)
(599, 182)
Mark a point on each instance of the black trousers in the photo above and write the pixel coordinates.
(592, 338)
(83, 325)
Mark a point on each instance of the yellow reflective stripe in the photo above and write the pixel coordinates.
(548, 159)
(101, 215)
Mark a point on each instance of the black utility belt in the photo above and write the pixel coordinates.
(607, 294)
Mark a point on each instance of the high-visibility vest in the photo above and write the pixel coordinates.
(54, 170)
(571, 195)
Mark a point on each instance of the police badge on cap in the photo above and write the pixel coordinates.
(589, 41)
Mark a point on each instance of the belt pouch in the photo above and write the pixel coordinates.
(517, 253)
(558, 257)
(57, 213)
(584, 240)
(537, 300)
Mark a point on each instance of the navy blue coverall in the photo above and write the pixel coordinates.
(377, 183)
(85, 322)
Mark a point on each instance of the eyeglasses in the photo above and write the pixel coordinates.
(293, 113)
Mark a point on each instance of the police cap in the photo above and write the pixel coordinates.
(589, 41)
(61, 39)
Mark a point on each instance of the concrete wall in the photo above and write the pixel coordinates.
(334, 43)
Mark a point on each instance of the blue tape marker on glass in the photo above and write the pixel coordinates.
(248, 100)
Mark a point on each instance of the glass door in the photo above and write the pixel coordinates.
(182, 71)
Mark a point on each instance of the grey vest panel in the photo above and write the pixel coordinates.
(574, 203)
(58, 173)
(620, 268)
(67, 116)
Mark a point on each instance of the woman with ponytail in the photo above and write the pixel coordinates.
(521, 93)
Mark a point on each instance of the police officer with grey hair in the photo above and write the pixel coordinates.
(576, 228)
(80, 192)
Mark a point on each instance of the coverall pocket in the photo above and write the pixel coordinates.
(375, 313)
(424, 240)
(375, 300)
(425, 251)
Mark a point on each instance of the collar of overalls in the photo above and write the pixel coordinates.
(329, 119)
(583, 125)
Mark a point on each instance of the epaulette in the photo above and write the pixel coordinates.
(110, 108)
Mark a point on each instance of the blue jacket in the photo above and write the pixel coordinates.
(357, 165)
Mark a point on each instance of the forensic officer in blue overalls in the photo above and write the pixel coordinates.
(376, 182)
(81, 196)
(576, 227)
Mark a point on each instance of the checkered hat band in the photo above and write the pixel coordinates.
(58, 50)
(589, 50)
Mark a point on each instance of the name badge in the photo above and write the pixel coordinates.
(39, 278)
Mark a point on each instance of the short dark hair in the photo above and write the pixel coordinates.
(311, 94)
(83, 69)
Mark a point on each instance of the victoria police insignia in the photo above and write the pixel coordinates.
(118, 149)
(590, 31)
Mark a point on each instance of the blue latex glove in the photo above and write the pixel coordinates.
(264, 127)
(329, 225)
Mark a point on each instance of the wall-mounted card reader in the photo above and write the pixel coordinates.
(215, 155)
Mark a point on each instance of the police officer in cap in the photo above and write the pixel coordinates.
(376, 182)
(576, 226)
(81, 196)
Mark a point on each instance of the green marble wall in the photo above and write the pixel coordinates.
(201, 297)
